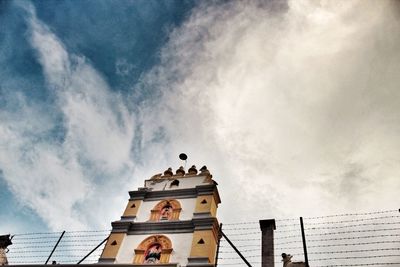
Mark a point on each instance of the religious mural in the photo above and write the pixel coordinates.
(153, 254)
(154, 249)
(166, 210)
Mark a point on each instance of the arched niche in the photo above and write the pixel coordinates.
(166, 210)
(153, 250)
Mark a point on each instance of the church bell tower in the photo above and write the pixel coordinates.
(171, 221)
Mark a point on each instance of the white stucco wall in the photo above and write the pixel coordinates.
(184, 182)
(188, 206)
(181, 244)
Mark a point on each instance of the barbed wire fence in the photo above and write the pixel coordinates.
(356, 239)
(35, 248)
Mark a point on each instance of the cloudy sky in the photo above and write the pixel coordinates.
(294, 107)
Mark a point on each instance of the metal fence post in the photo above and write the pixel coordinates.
(303, 236)
(54, 247)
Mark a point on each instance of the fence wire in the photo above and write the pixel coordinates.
(354, 239)
(35, 248)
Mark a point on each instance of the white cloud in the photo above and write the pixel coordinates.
(294, 112)
(65, 179)
(297, 109)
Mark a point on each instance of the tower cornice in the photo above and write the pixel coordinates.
(187, 226)
(148, 195)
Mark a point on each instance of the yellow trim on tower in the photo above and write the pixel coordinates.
(139, 256)
(204, 244)
(206, 203)
(132, 208)
(165, 255)
(112, 246)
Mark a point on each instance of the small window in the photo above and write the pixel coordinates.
(203, 201)
(201, 241)
(133, 205)
(114, 243)
(174, 183)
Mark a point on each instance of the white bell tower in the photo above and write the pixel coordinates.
(171, 221)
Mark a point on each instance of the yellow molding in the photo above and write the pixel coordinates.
(132, 207)
(206, 203)
(139, 256)
(112, 246)
(207, 248)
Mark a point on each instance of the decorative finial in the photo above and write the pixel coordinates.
(204, 170)
(180, 171)
(156, 176)
(168, 172)
(183, 157)
(192, 170)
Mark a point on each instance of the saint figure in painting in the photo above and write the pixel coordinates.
(153, 254)
(166, 212)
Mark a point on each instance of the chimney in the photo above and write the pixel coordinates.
(267, 242)
(5, 241)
